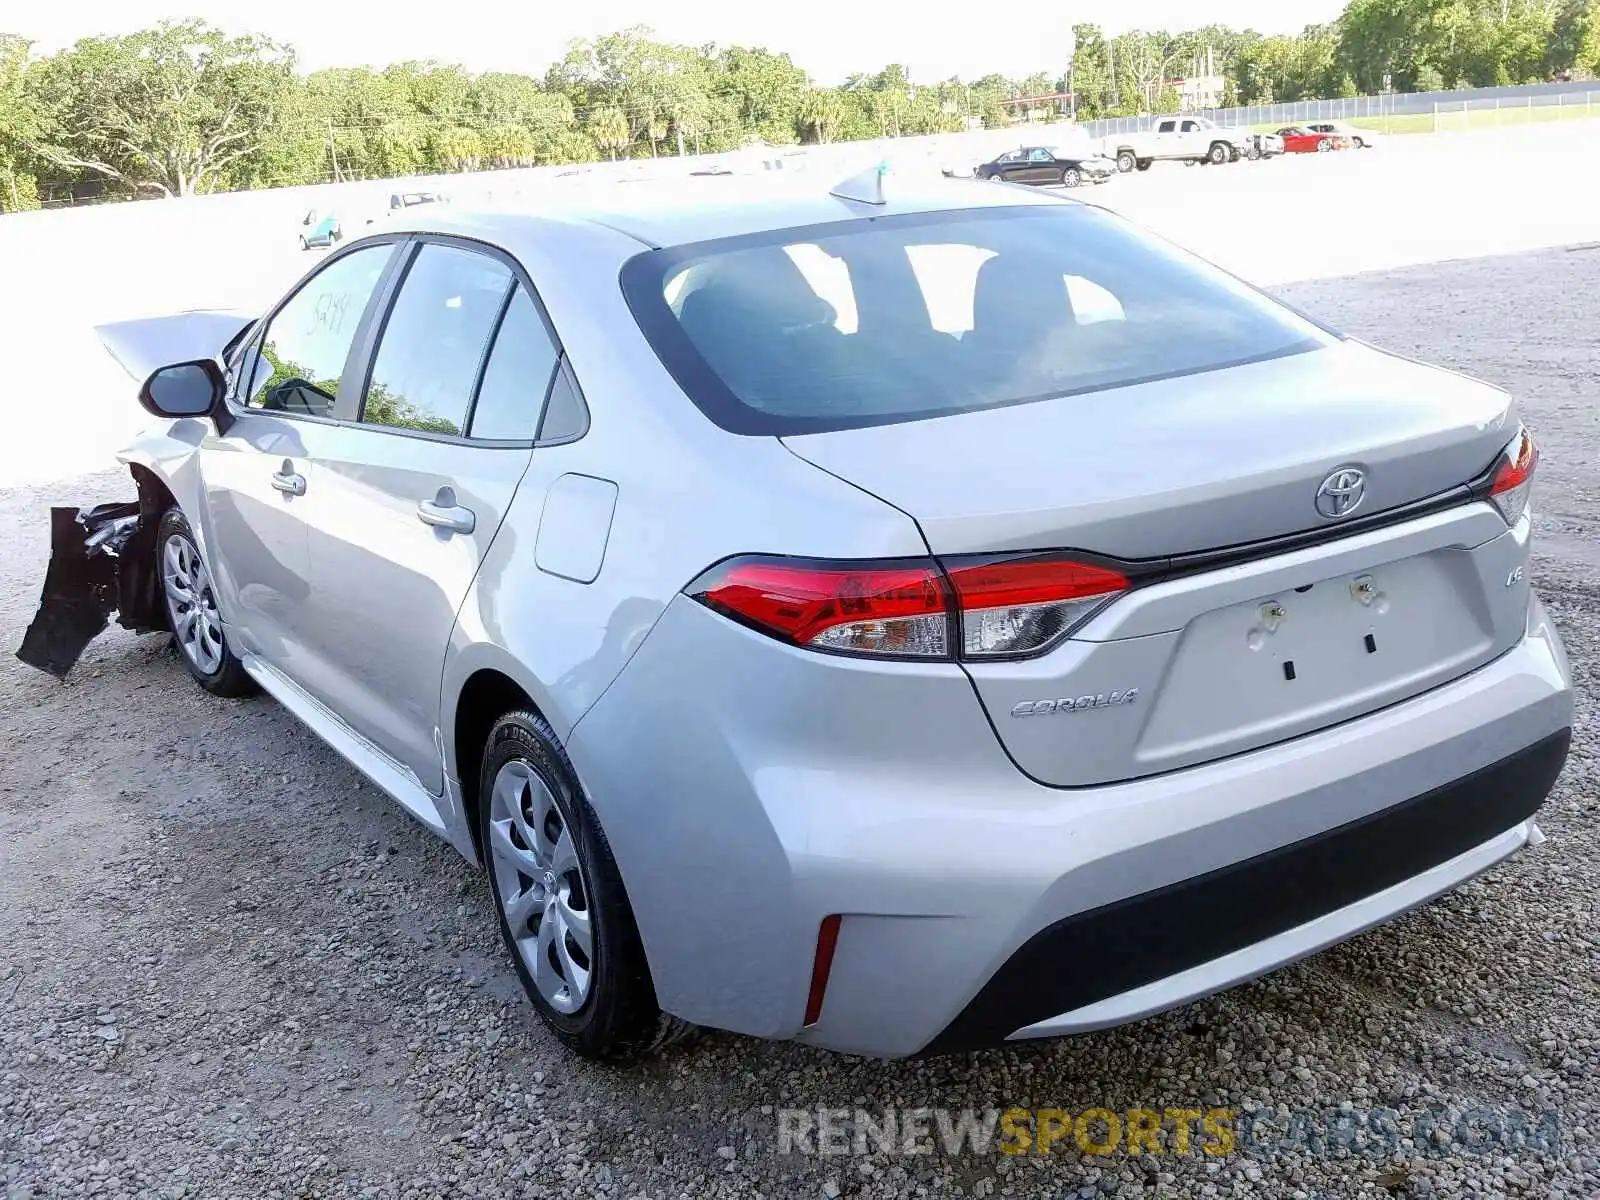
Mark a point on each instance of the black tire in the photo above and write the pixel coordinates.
(229, 679)
(1144, 164)
(1218, 154)
(1233, 154)
(1253, 154)
(1126, 161)
(1071, 177)
(1360, 144)
(1324, 146)
(619, 1021)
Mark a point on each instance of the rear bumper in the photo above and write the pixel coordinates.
(1173, 944)
(980, 906)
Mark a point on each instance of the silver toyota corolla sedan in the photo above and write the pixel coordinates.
(900, 618)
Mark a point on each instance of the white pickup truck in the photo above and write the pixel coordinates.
(1178, 139)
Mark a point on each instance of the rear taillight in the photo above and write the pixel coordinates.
(896, 608)
(1023, 605)
(975, 607)
(1512, 482)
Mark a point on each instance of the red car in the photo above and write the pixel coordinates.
(1297, 139)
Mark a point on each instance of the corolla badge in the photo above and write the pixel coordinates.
(1041, 708)
(1341, 493)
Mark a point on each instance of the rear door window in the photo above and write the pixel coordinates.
(517, 376)
(435, 341)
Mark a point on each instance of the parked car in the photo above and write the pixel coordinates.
(1178, 139)
(1298, 139)
(1047, 166)
(1361, 139)
(1264, 145)
(819, 627)
(401, 202)
(320, 230)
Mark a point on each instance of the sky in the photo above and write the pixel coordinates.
(829, 38)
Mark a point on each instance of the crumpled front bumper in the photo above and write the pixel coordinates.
(102, 562)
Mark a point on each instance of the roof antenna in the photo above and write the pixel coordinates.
(865, 188)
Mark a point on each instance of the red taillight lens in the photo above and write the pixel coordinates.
(1513, 477)
(1023, 605)
(896, 608)
(974, 607)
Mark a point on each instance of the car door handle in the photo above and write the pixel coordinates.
(451, 517)
(290, 482)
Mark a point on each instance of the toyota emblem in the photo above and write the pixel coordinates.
(1342, 492)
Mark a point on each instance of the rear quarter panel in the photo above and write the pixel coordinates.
(687, 495)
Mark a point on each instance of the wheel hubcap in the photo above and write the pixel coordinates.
(541, 888)
(191, 604)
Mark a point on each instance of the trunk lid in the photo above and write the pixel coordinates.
(1206, 662)
(1194, 463)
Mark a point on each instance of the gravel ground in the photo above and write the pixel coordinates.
(230, 968)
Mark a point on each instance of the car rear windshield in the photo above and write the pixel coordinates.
(878, 321)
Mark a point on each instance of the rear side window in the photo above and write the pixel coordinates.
(566, 417)
(434, 342)
(518, 375)
(905, 318)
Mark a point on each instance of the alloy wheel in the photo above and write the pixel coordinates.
(540, 886)
(192, 604)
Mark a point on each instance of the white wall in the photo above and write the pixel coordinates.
(67, 406)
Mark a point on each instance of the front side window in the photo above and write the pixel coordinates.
(301, 357)
(1166, 127)
(905, 318)
(433, 344)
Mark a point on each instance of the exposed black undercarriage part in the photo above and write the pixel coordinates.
(102, 561)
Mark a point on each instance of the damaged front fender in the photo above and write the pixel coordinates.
(102, 561)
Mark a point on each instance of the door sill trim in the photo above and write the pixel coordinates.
(396, 780)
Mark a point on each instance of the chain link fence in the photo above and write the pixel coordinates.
(1433, 112)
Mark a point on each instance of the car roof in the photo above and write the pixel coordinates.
(677, 212)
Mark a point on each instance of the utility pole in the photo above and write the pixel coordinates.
(333, 152)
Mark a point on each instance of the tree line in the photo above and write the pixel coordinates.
(184, 107)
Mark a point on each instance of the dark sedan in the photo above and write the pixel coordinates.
(1048, 166)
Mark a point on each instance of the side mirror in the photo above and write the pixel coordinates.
(191, 389)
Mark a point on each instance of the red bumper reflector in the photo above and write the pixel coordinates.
(827, 939)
